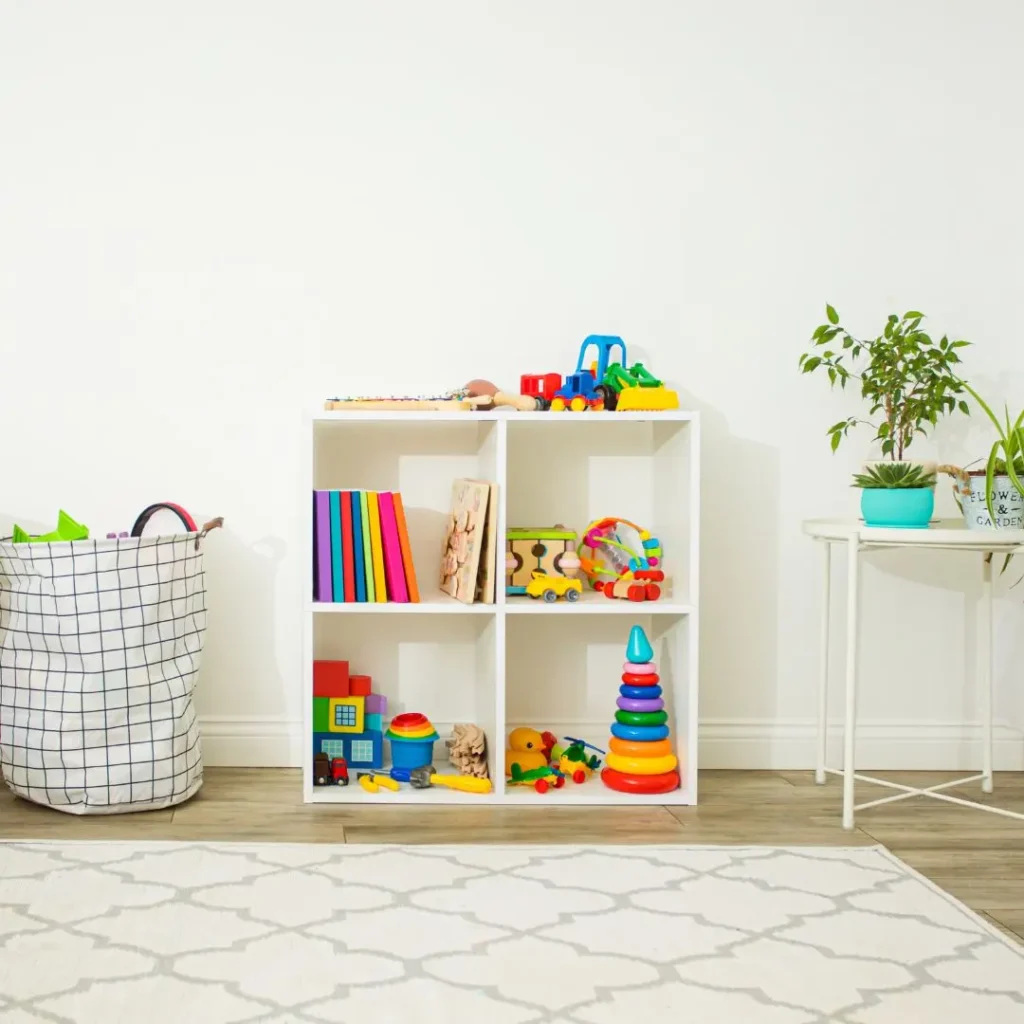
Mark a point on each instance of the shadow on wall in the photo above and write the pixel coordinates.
(240, 658)
(739, 580)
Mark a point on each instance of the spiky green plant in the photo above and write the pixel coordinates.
(1007, 451)
(894, 476)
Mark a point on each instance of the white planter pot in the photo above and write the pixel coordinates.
(1007, 503)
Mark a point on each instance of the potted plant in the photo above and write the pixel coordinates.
(993, 497)
(909, 381)
(896, 494)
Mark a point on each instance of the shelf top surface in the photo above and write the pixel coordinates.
(418, 416)
(942, 533)
(591, 604)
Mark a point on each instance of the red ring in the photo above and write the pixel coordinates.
(640, 783)
(650, 679)
(410, 720)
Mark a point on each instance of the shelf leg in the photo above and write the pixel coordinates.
(852, 638)
(985, 671)
(819, 771)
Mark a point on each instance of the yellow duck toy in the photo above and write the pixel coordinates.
(526, 749)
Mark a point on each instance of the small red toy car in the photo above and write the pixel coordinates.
(339, 771)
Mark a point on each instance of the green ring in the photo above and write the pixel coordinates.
(641, 717)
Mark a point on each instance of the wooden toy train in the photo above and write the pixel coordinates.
(603, 385)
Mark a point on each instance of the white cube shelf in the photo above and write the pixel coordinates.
(517, 661)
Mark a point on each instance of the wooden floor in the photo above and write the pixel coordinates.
(977, 857)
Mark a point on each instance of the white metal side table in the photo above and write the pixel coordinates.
(944, 535)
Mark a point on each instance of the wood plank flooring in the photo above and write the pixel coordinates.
(977, 857)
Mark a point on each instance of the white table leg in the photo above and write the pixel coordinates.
(852, 638)
(985, 672)
(826, 599)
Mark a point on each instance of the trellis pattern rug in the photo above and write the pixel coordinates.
(210, 934)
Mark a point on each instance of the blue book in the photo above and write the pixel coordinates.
(357, 532)
(336, 561)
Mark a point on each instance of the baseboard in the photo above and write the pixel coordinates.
(257, 741)
(251, 742)
(908, 746)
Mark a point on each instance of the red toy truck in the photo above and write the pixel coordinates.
(339, 771)
(540, 385)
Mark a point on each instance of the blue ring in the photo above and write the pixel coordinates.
(640, 692)
(639, 733)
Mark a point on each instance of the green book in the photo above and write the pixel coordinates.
(371, 593)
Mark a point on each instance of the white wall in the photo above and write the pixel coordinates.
(214, 214)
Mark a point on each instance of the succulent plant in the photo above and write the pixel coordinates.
(894, 476)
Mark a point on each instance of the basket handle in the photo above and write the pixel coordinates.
(186, 520)
(213, 524)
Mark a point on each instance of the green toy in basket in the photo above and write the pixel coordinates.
(67, 529)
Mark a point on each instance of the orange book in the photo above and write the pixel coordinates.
(377, 548)
(403, 539)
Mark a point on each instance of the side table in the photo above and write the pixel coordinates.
(943, 535)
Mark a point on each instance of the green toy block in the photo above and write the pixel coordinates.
(374, 723)
(67, 530)
(321, 714)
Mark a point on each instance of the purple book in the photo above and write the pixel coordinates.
(322, 543)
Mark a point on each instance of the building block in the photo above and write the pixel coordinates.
(375, 723)
(376, 704)
(359, 686)
(330, 679)
(365, 750)
(347, 714)
(321, 714)
(320, 738)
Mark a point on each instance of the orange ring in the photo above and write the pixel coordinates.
(631, 748)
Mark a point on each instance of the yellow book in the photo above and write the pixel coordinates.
(380, 586)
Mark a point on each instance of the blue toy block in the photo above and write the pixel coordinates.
(365, 749)
(375, 723)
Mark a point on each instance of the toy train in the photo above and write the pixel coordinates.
(604, 385)
(329, 771)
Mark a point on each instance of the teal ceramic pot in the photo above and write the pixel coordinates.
(903, 508)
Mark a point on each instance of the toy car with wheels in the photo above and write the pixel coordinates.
(575, 763)
(551, 588)
(322, 770)
(541, 779)
(339, 771)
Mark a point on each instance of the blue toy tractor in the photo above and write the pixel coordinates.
(583, 389)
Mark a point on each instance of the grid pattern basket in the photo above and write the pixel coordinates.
(100, 644)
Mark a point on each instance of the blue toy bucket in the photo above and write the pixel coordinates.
(412, 753)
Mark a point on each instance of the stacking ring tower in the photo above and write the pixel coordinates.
(640, 758)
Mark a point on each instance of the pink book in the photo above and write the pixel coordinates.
(394, 572)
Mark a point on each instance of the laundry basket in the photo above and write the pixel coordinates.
(100, 643)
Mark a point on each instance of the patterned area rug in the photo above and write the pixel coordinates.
(209, 934)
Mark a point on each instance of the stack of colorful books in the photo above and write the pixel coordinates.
(361, 548)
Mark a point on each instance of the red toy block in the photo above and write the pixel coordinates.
(330, 679)
(360, 686)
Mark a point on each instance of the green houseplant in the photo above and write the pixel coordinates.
(993, 497)
(909, 381)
